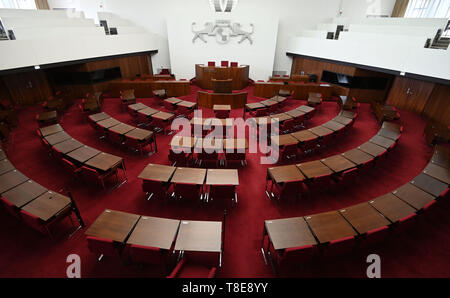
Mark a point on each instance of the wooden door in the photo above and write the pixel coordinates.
(409, 94)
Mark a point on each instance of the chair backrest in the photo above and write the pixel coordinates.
(189, 191)
(33, 221)
(224, 63)
(221, 114)
(261, 112)
(145, 254)
(168, 106)
(57, 154)
(68, 165)
(132, 142)
(89, 174)
(180, 158)
(115, 137)
(233, 64)
(340, 246)
(10, 207)
(296, 255)
(377, 235)
(350, 173)
(289, 149)
(211, 63)
(222, 191)
(288, 124)
(102, 246)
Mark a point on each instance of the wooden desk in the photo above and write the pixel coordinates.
(295, 113)
(284, 140)
(392, 207)
(5, 166)
(48, 116)
(154, 232)
(387, 133)
(347, 114)
(47, 205)
(305, 109)
(189, 176)
(280, 117)
(314, 100)
(187, 104)
(68, 146)
(114, 225)
(413, 195)
(157, 172)
(203, 236)
(304, 135)
(11, 179)
(205, 74)
(333, 125)
(2, 154)
(221, 108)
(343, 120)
(137, 106)
(314, 168)
(222, 177)
(254, 106)
(438, 172)
(107, 123)
(24, 193)
(140, 134)
(283, 174)
(289, 232)
(104, 161)
(209, 144)
(429, 184)
(279, 98)
(391, 126)
(338, 163)
(84, 153)
(372, 149)
(357, 156)
(57, 137)
(269, 102)
(363, 217)
(235, 145)
(163, 116)
(148, 111)
(329, 226)
(222, 86)
(382, 141)
(121, 128)
(99, 117)
(320, 131)
(172, 100)
(182, 142)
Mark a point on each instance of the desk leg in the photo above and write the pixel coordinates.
(262, 244)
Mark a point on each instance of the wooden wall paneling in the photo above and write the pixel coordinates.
(409, 94)
(4, 92)
(437, 107)
(316, 67)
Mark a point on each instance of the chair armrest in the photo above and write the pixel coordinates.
(177, 269)
(212, 273)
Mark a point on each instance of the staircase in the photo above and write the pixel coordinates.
(442, 43)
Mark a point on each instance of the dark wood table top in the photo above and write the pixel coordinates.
(391, 126)
(304, 135)
(137, 106)
(121, 128)
(387, 133)
(99, 116)
(11, 179)
(189, 175)
(343, 120)
(222, 177)
(172, 100)
(57, 137)
(203, 144)
(357, 156)
(382, 141)
(140, 134)
(254, 106)
(363, 217)
(314, 168)
(47, 205)
(372, 149)
(113, 225)
(347, 114)
(24, 193)
(338, 163)
(283, 140)
(289, 232)
(281, 117)
(5, 166)
(314, 100)
(333, 125)
(314, 95)
(392, 207)
(329, 226)
(84, 153)
(109, 122)
(283, 174)
(413, 195)
(163, 116)
(199, 236)
(68, 146)
(201, 121)
(157, 172)
(222, 122)
(48, 130)
(104, 161)
(269, 102)
(278, 98)
(429, 184)
(320, 131)
(47, 116)
(305, 109)
(295, 113)
(438, 172)
(154, 232)
(148, 111)
(187, 104)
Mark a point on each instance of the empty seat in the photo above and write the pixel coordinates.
(224, 63)
(10, 207)
(103, 247)
(339, 247)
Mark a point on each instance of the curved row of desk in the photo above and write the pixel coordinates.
(292, 241)
(121, 133)
(317, 175)
(154, 240)
(30, 202)
(93, 165)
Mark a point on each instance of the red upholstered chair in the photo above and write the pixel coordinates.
(375, 237)
(211, 63)
(92, 176)
(136, 144)
(233, 64)
(154, 188)
(57, 154)
(205, 157)
(235, 156)
(185, 112)
(145, 254)
(287, 126)
(290, 259)
(288, 189)
(428, 210)
(222, 114)
(103, 247)
(289, 152)
(169, 106)
(222, 192)
(224, 63)
(367, 166)
(10, 207)
(299, 122)
(187, 191)
(186, 270)
(261, 81)
(34, 222)
(143, 119)
(70, 167)
(115, 137)
(320, 183)
(259, 112)
(309, 146)
(348, 177)
(339, 247)
(132, 112)
(179, 159)
(327, 140)
(406, 223)
(273, 109)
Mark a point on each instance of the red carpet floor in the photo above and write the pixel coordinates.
(423, 252)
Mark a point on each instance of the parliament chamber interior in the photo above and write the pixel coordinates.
(224, 139)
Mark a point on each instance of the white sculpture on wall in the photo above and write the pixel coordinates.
(223, 31)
